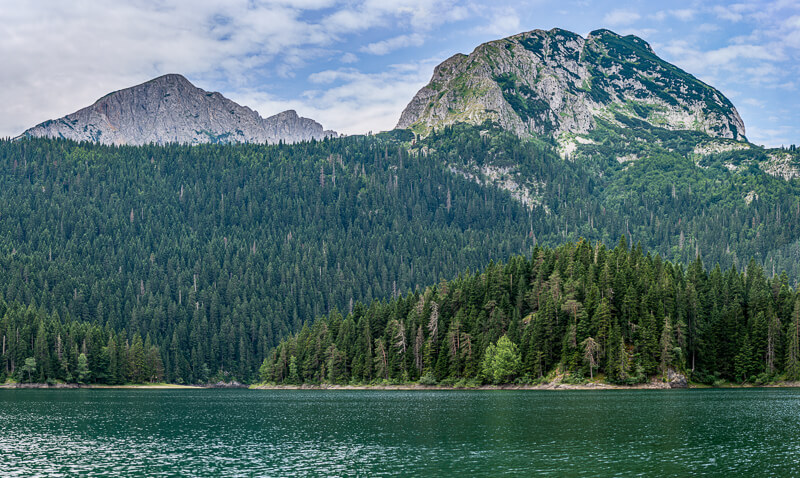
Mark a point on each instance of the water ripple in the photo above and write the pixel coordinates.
(235, 433)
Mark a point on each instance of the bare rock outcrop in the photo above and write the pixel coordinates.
(170, 109)
(555, 82)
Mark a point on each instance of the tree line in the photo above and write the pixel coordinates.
(42, 347)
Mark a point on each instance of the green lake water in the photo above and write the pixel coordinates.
(753, 432)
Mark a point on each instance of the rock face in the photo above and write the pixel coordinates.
(169, 109)
(677, 380)
(555, 82)
(221, 384)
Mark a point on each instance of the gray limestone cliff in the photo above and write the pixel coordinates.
(169, 109)
(557, 82)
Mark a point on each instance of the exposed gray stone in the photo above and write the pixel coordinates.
(677, 380)
(555, 82)
(169, 109)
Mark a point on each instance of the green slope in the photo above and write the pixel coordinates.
(216, 252)
(213, 254)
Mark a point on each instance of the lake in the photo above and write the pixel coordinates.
(379, 433)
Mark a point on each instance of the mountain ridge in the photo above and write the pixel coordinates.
(556, 82)
(170, 109)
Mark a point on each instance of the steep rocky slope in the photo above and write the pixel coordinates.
(559, 83)
(169, 109)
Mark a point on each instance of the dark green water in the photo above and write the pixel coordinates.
(373, 433)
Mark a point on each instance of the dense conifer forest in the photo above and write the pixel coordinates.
(190, 263)
(217, 252)
(577, 311)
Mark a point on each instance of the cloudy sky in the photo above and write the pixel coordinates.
(353, 65)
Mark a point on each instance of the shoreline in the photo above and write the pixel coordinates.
(76, 386)
(553, 386)
(558, 386)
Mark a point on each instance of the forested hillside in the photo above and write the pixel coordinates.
(576, 310)
(211, 254)
(217, 252)
(647, 184)
(42, 347)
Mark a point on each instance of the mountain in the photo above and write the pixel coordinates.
(208, 255)
(170, 109)
(556, 82)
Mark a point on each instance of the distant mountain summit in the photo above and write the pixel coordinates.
(170, 109)
(555, 82)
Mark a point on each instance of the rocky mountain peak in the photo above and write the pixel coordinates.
(170, 109)
(556, 82)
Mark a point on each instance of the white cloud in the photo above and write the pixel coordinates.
(643, 33)
(790, 31)
(501, 22)
(735, 12)
(348, 58)
(620, 17)
(753, 102)
(355, 103)
(694, 60)
(792, 22)
(685, 14)
(418, 15)
(707, 27)
(659, 16)
(724, 13)
(773, 137)
(350, 101)
(387, 46)
(726, 55)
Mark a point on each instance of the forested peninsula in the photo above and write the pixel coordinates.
(575, 312)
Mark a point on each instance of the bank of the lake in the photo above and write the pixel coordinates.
(418, 386)
(130, 386)
(653, 385)
(141, 386)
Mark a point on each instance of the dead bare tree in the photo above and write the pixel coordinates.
(433, 321)
(590, 349)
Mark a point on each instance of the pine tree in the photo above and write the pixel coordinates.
(83, 369)
(667, 346)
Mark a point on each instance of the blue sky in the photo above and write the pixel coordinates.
(354, 65)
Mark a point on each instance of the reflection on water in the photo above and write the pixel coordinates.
(377, 433)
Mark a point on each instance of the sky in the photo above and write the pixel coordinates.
(354, 65)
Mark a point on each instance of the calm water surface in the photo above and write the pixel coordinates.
(375, 433)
